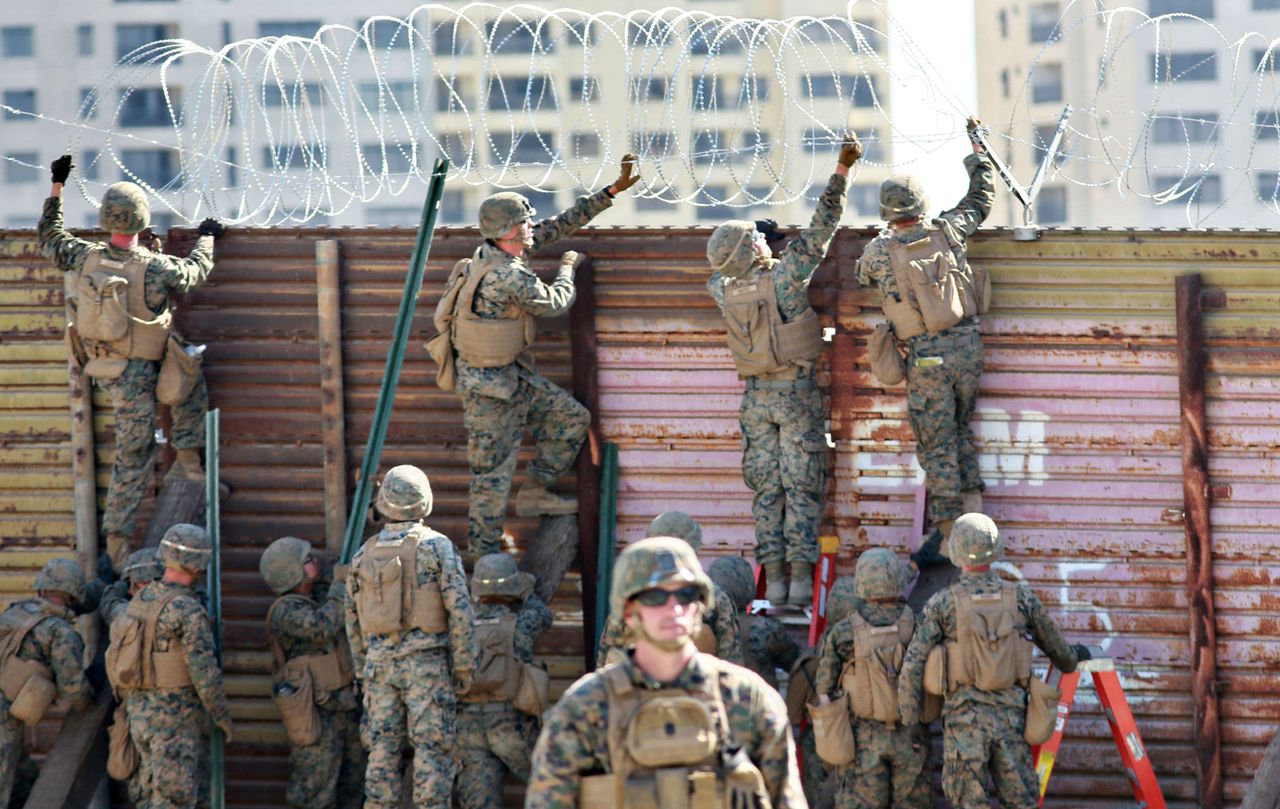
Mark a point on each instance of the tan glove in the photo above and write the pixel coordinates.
(850, 150)
(628, 176)
(340, 572)
(571, 261)
(226, 727)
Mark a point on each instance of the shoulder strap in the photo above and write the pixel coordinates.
(277, 649)
(906, 624)
(622, 703)
(476, 272)
(135, 269)
(23, 628)
(448, 303)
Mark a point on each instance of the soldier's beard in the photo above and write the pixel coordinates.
(667, 644)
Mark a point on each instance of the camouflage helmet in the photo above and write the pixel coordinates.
(730, 250)
(878, 574)
(62, 576)
(677, 524)
(124, 209)
(496, 576)
(405, 494)
(281, 564)
(842, 599)
(735, 576)
(902, 197)
(142, 566)
(186, 545)
(652, 563)
(975, 540)
(500, 212)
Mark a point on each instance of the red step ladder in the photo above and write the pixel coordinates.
(1133, 753)
(824, 577)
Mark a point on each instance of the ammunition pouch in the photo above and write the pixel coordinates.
(761, 343)
(122, 753)
(533, 690)
(833, 731)
(887, 363)
(295, 698)
(29, 687)
(179, 373)
(1042, 711)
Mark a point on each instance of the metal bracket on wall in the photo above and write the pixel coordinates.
(1026, 196)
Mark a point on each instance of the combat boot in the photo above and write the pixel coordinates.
(972, 500)
(187, 465)
(929, 555)
(534, 500)
(801, 591)
(775, 583)
(117, 550)
(944, 528)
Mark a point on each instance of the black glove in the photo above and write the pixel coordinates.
(1082, 652)
(61, 168)
(211, 227)
(106, 571)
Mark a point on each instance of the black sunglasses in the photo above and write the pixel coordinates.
(657, 597)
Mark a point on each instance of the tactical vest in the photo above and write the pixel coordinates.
(27, 684)
(329, 672)
(991, 651)
(389, 599)
(669, 748)
(111, 317)
(497, 672)
(763, 345)
(488, 342)
(871, 677)
(934, 291)
(133, 663)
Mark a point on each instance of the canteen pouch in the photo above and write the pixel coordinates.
(1042, 711)
(887, 364)
(178, 373)
(35, 694)
(532, 692)
(122, 754)
(298, 709)
(833, 731)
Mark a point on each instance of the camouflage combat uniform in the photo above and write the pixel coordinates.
(784, 449)
(981, 729)
(941, 398)
(54, 643)
(495, 738)
(574, 740)
(498, 403)
(769, 647)
(133, 392)
(328, 774)
(408, 680)
(722, 620)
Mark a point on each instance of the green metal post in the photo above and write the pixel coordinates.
(395, 360)
(212, 522)
(608, 538)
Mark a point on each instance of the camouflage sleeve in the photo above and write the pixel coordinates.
(572, 734)
(614, 636)
(56, 244)
(775, 751)
(457, 602)
(715, 288)
(803, 255)
(728, 635)
(929, 633)
(976, 205)
(539, 299)
(533, 620)
(834, 650)
(185, 274)
(354, 636)
(1045, 632)
(775, 644)
(192, 625)
(316, 623)
(66, 658)
(873, 266)
(114, 599)
(549, 231)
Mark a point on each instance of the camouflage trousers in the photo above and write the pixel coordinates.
(169, 728)
(17, 771)
(133, 395)
(980, 739)
(410, 699)
(816, 776)
(330, 773)
(784, 461)
(493, 739)
(892, 768)
(940, 403)
(495, 428)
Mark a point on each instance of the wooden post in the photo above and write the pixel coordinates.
(84, 477)
(586, 388)
(333, 434)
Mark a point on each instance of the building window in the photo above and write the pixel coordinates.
(1003, 19)
(649, 88)
(524, 147)
(543, 201)
(233, 167)
(451, 38)
(84, 39)
(653, 143)
(582, 33)
(584, 89)
(22, 167)
(289, 28)
(820, 140)
(861, 89)
(1206, 190)
(1046, 83)
(586, 144)
(1194, 127)
(395, 158)
(157, 168)
(1041, 137)
(453, 209)
(146, 106)
(291, 156)
(385, 34)
(17, 41)
(1051, 205)
(1267, 184)
(706, 91)
(514, 36)
(133, 36)
(450, 94)
(711, 37)
(1266, 5)
(394, 94)
(710, 147)
(393, 217)
(1043, 18)
(1185, 66)
(865, 199)
(517, 92)
(89, 105)
(23, 104)
(226, 32)
(754, 87)
(652, 205)
(1004, 82)
(294, 95)
(1199, 8)
(1266, 125)
(873, 37)
(88, 164)
(754, 143)
(715, 210)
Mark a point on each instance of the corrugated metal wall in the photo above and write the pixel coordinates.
(1078, 427)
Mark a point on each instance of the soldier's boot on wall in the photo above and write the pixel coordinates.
(972, 500)
(187, 464)
(944, 528)
(775, 583)
(534, 500)
(801, 591)
(929, 554)
(117, 550)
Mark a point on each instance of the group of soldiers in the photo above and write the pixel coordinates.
(398, 651)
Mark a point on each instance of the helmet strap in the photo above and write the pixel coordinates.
(976, 568)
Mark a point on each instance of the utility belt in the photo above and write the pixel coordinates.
(963, 334)
(809, 384)
(497, 704)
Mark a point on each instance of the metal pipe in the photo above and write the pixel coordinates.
(606, 547)
(333, 432)
(84, 481)
(395, 360)
(1199, 540)
(586, 389)
(212, 523)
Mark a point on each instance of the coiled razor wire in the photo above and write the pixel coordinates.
(285, 129)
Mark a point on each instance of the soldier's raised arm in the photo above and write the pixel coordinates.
(549, 231)
(973, 210)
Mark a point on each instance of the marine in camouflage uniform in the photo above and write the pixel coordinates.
(784, 448)
(892, 767)
(982, 730)
(125, 213)
(499, 402)
(941, 397)
(53, 643)
(169, 726)
(409, 678)
(720, 617)
(309, 620)
(575, 740)
(765, 640)
(494, 737)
